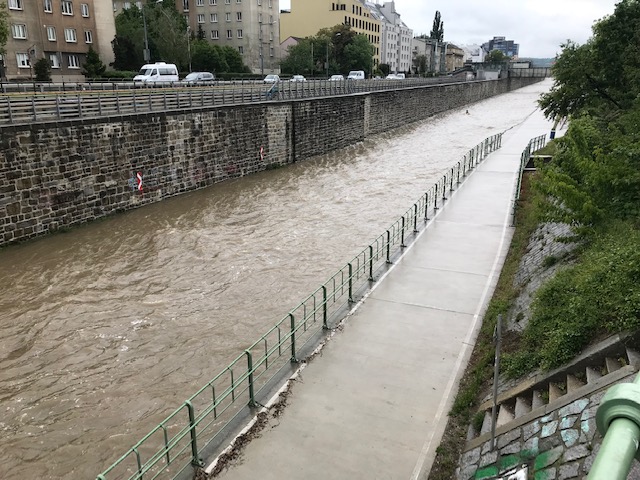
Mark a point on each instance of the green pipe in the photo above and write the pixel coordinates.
(617, 451)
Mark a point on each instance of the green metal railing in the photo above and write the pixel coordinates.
(534, 144)
(176, 443)
(618, 421)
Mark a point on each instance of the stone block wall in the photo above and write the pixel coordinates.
(59, 174)
(560, 445)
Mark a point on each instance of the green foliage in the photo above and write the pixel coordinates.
(299, 58)
(437, 31)
(234, 60)
(207, 58)
(93, 66)
(42, 69)
(599, 295)
(4, 27)
(384, 69)
(496, 56)
(602, 75)
(358, 55)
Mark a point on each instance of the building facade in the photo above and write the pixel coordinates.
(434, 53)
(454, 57)
(306, 17)
(508, 47)
(60, 31)
(250, 26)
(395, 39)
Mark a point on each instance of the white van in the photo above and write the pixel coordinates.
(356, 75)
(157, 72)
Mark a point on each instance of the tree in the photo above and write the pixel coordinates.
(384, 68)
(93, 66)
(42, 69)
(603, 75)
(299, 58)
(437, 31)
(4, 27)
(420, 64)
(128, 44)
(207, 57)
(496, 56)
(201, 35)
(234, 60)
(358, 55)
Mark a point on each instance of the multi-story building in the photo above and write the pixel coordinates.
(395, 43)
(508, 47)
(306, 17)
(454, 57)
(250, 26)
(433, 51)
(61, 31)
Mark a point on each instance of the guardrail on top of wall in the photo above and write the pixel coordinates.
(176, 444)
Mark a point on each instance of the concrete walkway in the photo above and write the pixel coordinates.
(375, 405)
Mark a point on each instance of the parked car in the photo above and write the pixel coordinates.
(356, 75)
(298, 78)
(158, 72)
(271, 78)
(201, 78)
(336, 78)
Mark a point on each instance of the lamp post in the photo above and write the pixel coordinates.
(261, 50)
(189, 45)
(145, 52)
(328, 40)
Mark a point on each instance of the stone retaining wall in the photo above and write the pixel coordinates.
(59, 174)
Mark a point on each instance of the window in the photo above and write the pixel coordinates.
(214, 18)
(185, 5)
(238, 1)
(126, 5)
(214, 35)
(241, 50)
(229, 34)
(70, 35)
(23, 60)
(227, 2)
(48, 6)
(213, 2)
(67, 7)
(239, 33)
(238, 16)
(15, 5)
(271, 36)
(270, 4)
(271, 51)
(201, 18)
(227, 16)
(199, 3)
(73, 61)
(53, 59)
(270, 18)
(51, 34)
(259, 2)
(84, 9)
(259, 18)
(19, 31)
(88, 36)
(139, 5)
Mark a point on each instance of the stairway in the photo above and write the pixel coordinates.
(586, 373)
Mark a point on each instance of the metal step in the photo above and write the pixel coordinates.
(593, 374)
(486, 423)
(537, 400)
(523, 406)
(574, 383)
(505, 415)
(612, 364)
(634, 357)
(554, 392)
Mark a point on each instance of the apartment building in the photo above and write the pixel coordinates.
(433, 51)
(454, 57)
(306, 17)
(59, 30)
(396, 38)
(250, 26)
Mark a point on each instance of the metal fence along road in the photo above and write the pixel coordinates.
(99, 100)
(176, 445)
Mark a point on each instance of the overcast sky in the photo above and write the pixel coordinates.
(539, 26)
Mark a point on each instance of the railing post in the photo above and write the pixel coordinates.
(451, 181)
(33, 108)
(402, 245)
(426, 206)
(350, 283)
(444, 188)
(252, 399)
(435, 198)
(388, 246)
(415, 218)
(324, 307)
(370, 263)
(195, 460)
(293, 338)
(458, 179)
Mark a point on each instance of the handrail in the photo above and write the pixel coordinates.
(173, 444)
(618, 421)
(534, 144)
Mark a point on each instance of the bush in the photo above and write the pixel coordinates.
(42, 69)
